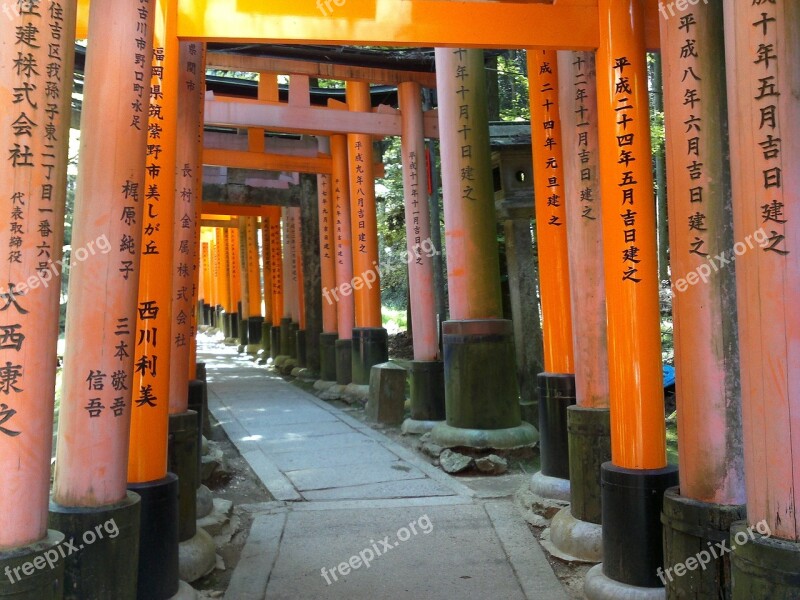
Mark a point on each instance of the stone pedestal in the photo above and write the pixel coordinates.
(387, 394)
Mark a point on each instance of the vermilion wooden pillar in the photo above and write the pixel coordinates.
(327, 255)
(481, 391)
(762, 43)
(342, 295)
(244, 284)
(370, 339)
(557, 383)
(575, 530)
(427, 369)
(148, 472)
(97, 389)
(35, 126)
(254, 318)
(704, 314)
(635, 479)
(234, 281)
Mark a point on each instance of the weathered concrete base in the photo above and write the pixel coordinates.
(509, 438)
(184, 461)
(300, 345)
(334, 392)
(572, 540)
(763, 567)
(691, 529)
(185, 592)
(552, 488)
(415, 427)
(370, 347)
(538, 511)
(387, 394)
(253, 349)
(426, 382)
(197, 556)
(556, 394)
(327, 355)
(598, 586)
(280, 360)
(42, 584)
(322, 385)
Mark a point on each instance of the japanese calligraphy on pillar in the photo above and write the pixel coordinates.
(548, 163)
(413, 178)
(32, 185)
(276, 265)
(341, 225)
(766, 115)
(585, 147)
(627, 127)
(360, 196)
(468, 173)
(186, 222)
(326, 238)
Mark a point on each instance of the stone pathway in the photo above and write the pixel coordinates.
(380, 520)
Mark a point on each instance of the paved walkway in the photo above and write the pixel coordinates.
(380, 520)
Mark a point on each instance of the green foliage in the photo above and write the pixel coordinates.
(392, 228)
(512, 79)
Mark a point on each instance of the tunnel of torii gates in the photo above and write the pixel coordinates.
(153, 258)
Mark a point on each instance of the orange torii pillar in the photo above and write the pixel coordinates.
(327, 256)
(557, 383)
(235, 281)
(223, 282)
(266, 265)
(255, 321)
(712, 492)
(763, 55)
(370, 339)
(300, 335)
(634, 481)
(148, 472)
(244, 284)
(186, 396)
(481, 390)
(576, 530)
(90, 487)
(33, 184)
(205, 287)
(276, 285)
(289, 326)
(426, 371)
(342, 294)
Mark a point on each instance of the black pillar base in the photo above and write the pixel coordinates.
(763, 567)
(691, 529)
(35, 582)
(254, 329)
(292, 341)
(287, 339)
(207, 315)
(201, 376)
(632, 535)
(198, 402)
(300, 352)
(344, 361)
(107, 567)
(481, 389)
(327, 356)
(158, 538)
(589, 447)
(427, 390)
(266, 334)
(275, 339)
(224, 324)
(370, 347)
(556, 394)
(183, 461)
(233, 323)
